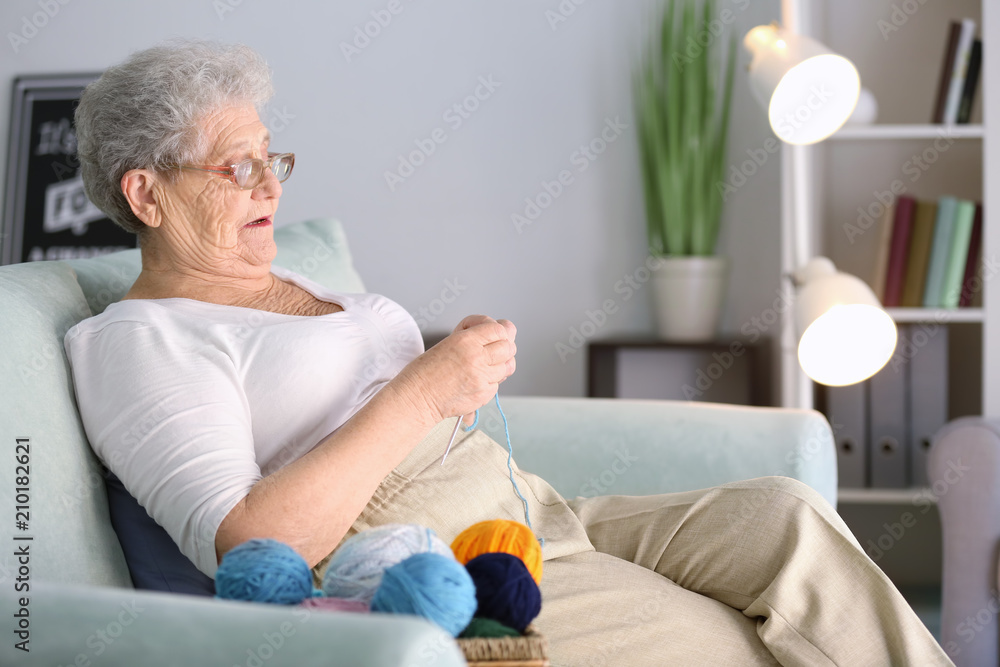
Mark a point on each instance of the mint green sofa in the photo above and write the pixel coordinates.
(72, 595)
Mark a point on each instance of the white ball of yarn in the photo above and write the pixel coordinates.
(356, 567)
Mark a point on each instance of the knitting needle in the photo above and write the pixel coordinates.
(452, 441)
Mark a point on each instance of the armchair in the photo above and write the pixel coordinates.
(964, 470)
(69, 593)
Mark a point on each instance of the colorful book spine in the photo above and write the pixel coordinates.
(902, 227)
(920, 254)
(971, 83)
(882, 256)
(969, 282)
(958, 253)
(940, 247)
(962, 54)
(947, 66)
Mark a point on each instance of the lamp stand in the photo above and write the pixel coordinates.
(798, 211)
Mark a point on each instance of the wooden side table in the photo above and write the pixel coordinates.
(734, 371)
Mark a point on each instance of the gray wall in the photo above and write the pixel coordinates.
(449, 223)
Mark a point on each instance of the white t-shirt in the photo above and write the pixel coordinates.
(191, 403)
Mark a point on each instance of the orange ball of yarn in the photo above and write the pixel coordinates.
(500, 536)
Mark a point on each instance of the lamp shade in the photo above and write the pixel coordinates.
(844, 334)
(809, 91)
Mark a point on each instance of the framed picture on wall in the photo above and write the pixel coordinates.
(46, 214)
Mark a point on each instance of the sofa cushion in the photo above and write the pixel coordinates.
(154, 559)
(67, 509)
(316, 249)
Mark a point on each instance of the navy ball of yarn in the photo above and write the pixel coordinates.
(262, 570)
(430, 585)
(505, 590)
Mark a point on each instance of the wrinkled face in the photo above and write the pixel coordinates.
(207, 220)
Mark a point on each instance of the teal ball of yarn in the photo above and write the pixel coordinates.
(263, 571)
(435, 587)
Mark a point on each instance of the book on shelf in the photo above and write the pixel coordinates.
(947, 67)
(928, 253)
(902, 227)
(970, 288)
(954, 71)
(920, 254)
(958, 253)
(882, 256)
(971, 83)
(943, 227)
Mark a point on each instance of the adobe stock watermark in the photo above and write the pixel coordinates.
(223, 7)
(738, 177)
(706, 377)
(899, 16)
(924, 500)
(638, 617)
(427, 314)
(562, 12)
(595, 319)
(697, 43)
(971, 625)
(801, 453)
(454, 116)
(365, 32)
(601, 483)
(102, 638)
(581, 158)
(914, 168)
(30, 26)
(787, 126)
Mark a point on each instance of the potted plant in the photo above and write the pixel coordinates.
(682, 100)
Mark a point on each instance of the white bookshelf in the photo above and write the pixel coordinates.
(935, 315)
(907, 131)
(911, 496)
(851, 167)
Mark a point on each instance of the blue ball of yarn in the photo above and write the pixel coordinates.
(435, 587)
(356, 567)
(505, 590)
(263, 571)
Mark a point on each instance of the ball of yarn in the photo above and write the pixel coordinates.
(262, 570)
(500, 536)
(355, 569)
(487, 628)
(336, 604)
(505, 590)
(435, 587)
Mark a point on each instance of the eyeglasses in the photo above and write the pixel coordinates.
(248, 173)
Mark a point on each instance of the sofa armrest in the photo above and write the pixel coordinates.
(85, 625)
(964, 470)
(592, 446)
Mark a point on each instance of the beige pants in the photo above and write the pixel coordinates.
(759, 572)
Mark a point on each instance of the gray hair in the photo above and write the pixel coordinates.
(146, 112)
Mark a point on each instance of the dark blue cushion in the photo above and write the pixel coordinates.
(154, 561)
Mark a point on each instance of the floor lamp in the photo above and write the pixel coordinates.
(839, 332)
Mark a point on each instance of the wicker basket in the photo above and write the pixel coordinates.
(528, 650)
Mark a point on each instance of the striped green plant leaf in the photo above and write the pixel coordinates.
(682, 109)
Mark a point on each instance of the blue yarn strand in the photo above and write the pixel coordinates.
(510, 455)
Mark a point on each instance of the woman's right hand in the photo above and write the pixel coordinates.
(462, 372)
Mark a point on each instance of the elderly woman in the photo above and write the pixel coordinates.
(227, 396)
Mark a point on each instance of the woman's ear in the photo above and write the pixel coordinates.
(137, 186)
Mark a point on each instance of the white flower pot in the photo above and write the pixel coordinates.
(688, 293)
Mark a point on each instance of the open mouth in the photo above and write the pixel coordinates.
(259, 221)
